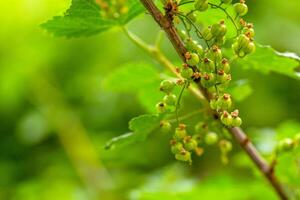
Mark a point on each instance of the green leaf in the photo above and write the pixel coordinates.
(266, 60)
(141, 126)
(84, 18)
(131, 77)
(138, 78)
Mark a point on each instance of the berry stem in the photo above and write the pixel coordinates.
(167, 25)
(178, 101)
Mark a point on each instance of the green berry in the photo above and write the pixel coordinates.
(201, 5)
(192, 59)
(206, 33)
(236, 121)
(226, 118)
(184, 156)
(224, 65)
(191, 144)
(242, 41)
(225, 146)
(249, 48)
(220, 40)
(241, 8)
(249, 32)
(180, 132)
(170, 99)
(167, 86)
(208, 65)
(215, 54)
(165, 126)
(191, 44)
(221, 76)
(219, 29)
(176, 147)
(161, 107)
(187, 72)
(211, 138)
(208, 80)
(224, 102)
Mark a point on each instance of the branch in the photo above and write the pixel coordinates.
(166, 24)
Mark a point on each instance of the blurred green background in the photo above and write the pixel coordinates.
(55, 116)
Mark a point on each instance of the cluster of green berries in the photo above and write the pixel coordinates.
(169, 101)
(244, 44)
(183, 145)
(288, 144)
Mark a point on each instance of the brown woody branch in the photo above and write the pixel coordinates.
(165, 22)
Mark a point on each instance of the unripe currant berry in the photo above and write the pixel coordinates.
(221, 76)
(211, 138)
(201, 127)
(165, 126)
(219, 29)
(241, 8)
(249, 31)
(226, 1)
(192, 59)
(201, 5)
(184, 156)
(170, 99)
(224, 102)
(207, 65)
(183, 35)
(236, 120)
(224, 65)
(225, 146)
(161, 107)
(243, 41)
(208, 80)
(215, 54)
(220, 41)
(286, 144)
(187, 72)
(206, 33)
(226, 118)
(249, 48)
(180, 132)
(191, 144)
(176, 147)
(167, 86)
(192, 16)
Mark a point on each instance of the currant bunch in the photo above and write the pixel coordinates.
(205, 64)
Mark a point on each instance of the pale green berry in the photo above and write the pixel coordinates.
(167, 86)
(211, 138)
(170, 99)
(165, 126)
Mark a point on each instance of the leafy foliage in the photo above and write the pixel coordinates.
(84, 18)
(265, 60)
(141, 126)
(139, 78)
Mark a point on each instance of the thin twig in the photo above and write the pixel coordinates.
(237, 132)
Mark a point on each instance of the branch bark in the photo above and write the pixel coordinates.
(167, 25)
